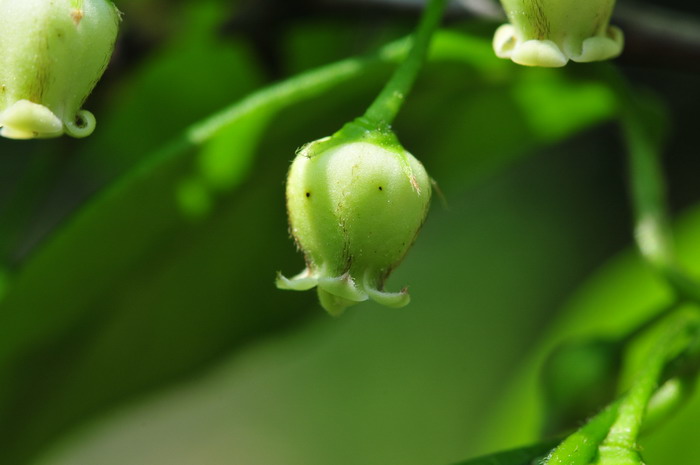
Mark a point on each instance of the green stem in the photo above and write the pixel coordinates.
(388, 103)
(295, 89)
(624, 432)
(614, 431)
(649, 323)
(653, 233)
(652, 228)
(581, 446)
(648, 189)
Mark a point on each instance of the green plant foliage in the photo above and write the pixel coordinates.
(328, 367)
(617, 298)
(139, 322)
(522, 456)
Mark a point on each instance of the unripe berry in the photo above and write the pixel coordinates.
(355, 207)
(551, 32)
(52, 53)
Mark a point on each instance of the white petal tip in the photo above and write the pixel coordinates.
(504, 41)
(601, 47)
(29, 120)
(543, 53)
(390, 299)
(343, 286)
(301, 282)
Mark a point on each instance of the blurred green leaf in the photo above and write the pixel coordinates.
(522, 456)
(380, 386)
(196, 72)
(172, 265)
(498, 111)
(618, 298)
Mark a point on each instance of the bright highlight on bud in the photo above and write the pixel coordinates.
(549, 33)
(52, 53)
(355, 207)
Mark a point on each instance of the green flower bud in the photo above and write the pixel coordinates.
(551, 32)
(355, 206)
(52, 53)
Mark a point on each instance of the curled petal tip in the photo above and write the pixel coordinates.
(528, 53)
(504, 41)
(343, 286)
(390, 299)
(543, 53)
(301, 282)
(601, 48)
(82, 126)
(333, 304)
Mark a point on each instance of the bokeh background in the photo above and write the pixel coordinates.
(139, 322)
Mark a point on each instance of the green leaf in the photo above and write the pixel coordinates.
(614, 300)
(409, 386)
(172, 265)
(521, 456)
(191, 75)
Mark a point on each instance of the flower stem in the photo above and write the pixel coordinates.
(652, 229)
(581, 446)
(648, 188)
(388, 103)
(295, 89)
(622, 438)
(613, 433)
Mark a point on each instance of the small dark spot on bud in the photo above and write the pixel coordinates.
(308, 194)
(380, 188)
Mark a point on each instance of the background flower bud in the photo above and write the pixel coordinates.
(578, 379)
(52, 53)
(354, 209)
(551, 32)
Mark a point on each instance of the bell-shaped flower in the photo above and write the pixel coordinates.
(355, 207)
(549, 33)
(52, 53)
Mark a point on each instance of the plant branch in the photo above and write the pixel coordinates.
(614, 431)
(581, 446)
(624, 432)
(386, 106)
(648, 188)
(295, 89)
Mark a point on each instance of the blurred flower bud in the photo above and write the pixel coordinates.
(551, 32)
(355, 207)
(52, 53)
(578, 379)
